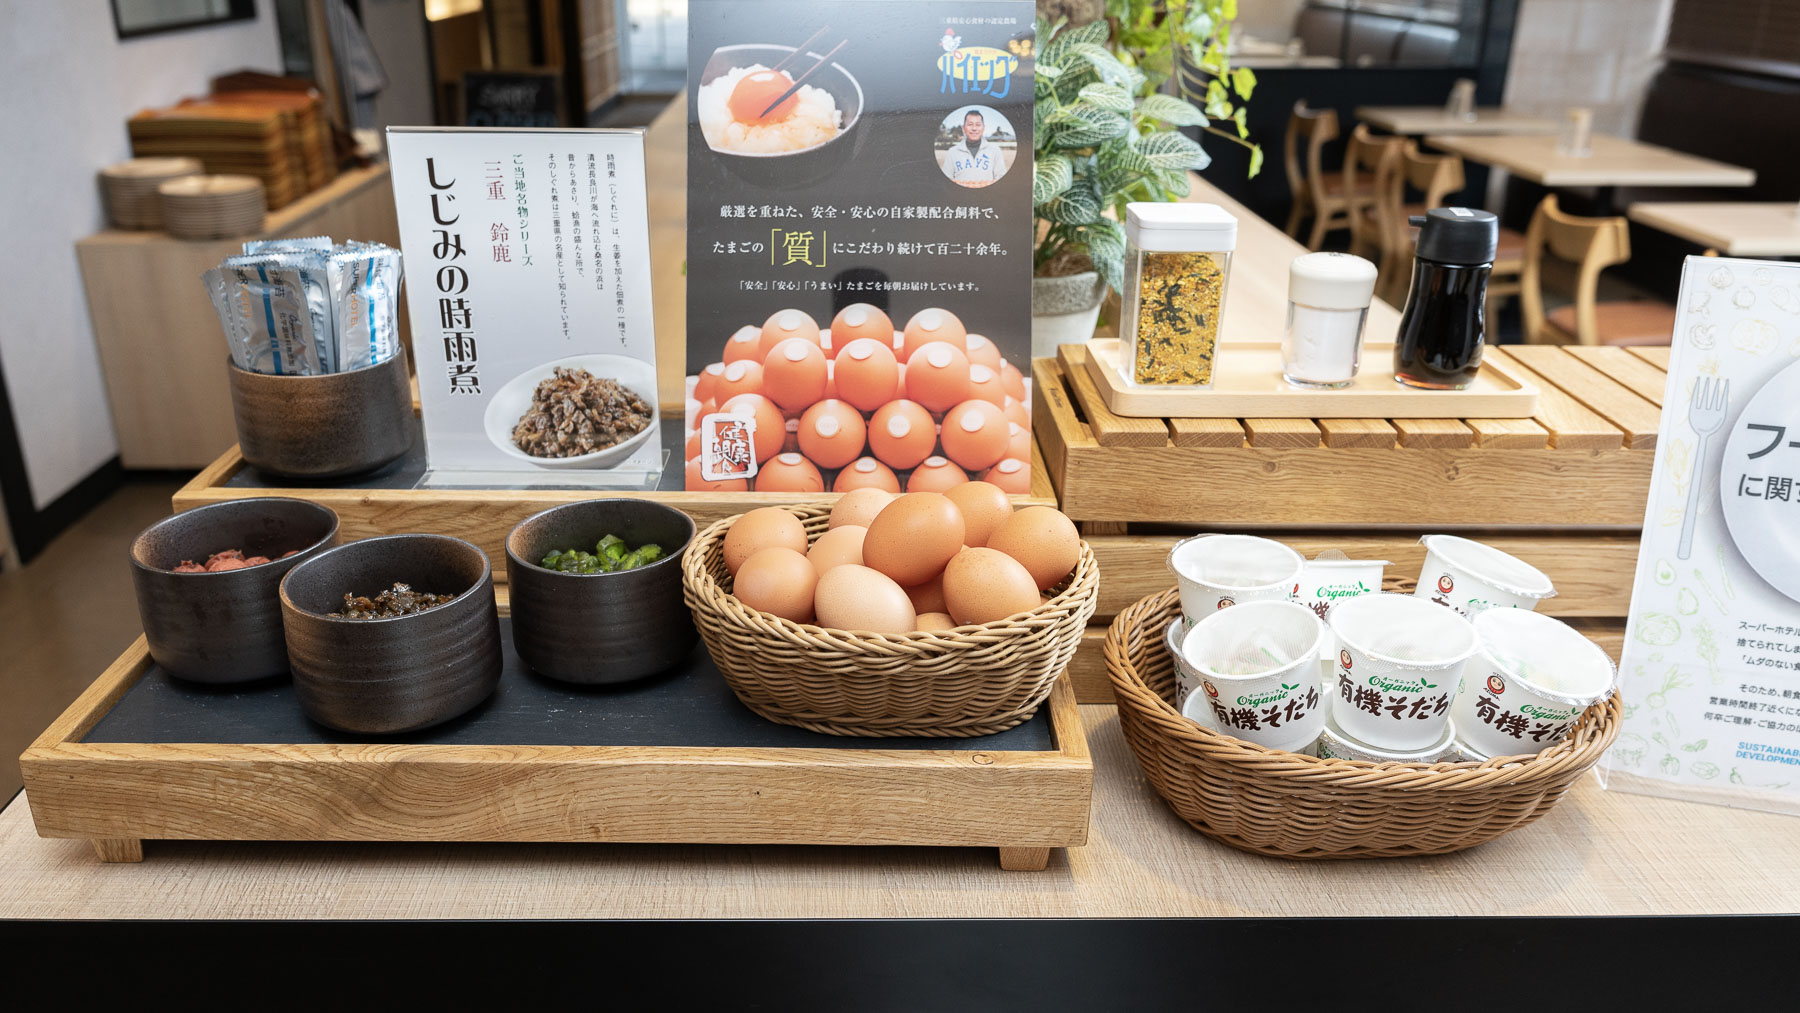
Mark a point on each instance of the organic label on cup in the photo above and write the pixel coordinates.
(1534, 721)
(1249, 712)
(1396, 699)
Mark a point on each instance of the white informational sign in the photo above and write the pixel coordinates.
(1711, 666)
(528, 259)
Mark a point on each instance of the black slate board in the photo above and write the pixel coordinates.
(407, 472)
(689, 706)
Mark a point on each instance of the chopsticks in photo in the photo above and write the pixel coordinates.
(798, 81)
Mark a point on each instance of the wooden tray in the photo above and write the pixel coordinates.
(387, 503)
(1247, 383)
(142, 756)
(1583, 458)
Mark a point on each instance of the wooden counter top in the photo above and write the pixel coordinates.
(1598, 853)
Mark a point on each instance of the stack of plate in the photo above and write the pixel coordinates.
(212, 207)
(129, 189)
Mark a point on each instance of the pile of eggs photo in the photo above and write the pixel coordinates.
(863, 405)
(913, 562)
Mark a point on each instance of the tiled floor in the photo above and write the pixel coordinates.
(66, 615)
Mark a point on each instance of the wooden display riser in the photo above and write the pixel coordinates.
(390, 505)
(140, 756)
(1584, 459)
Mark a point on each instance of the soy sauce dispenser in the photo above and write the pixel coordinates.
(1443, 326)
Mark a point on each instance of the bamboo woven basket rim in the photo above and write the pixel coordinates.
(843, 656)
(1070, 598)
(1298, 775)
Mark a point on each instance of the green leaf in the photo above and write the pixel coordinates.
(1077, 205)
(1169, 150)
(1106, 249)
(1094, 33)
(1238, 118)
(1095, 126)
(1256, 160)
(1243, 81)
(1170, 109)
(1218, 101)
(1110, 97)
(1105, 64)
(1048, 71)
(1176, 181)
(1050, 176)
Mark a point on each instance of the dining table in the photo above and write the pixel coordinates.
(1418, 121)
(1734, 228)
(1611, 162)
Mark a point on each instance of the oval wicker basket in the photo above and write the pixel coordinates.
(973, 681)
(1294, 806)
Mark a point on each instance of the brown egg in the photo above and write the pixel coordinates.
(929, 596)
(1013, 475)
(936, 474)
(901, 434)
(929, 325)
(794, 374)
(789, 473)
(985, 585)
(1012, 380)
(785, 324)
(984, 383)
(745, 376)
(860, 320)
(838, 547)
(983, 351)
(832, 433)
(1018, 442)
(975, 434)
(698, 483)
(777, 581)
(1016, 412)
(745, 344)
(867, 374)
(935, 622)
(937, 376)
(1042, 539)
(866, 473)
(762, 528)
(771, 428)
(852, 597)
(984, 508)
(913, 537)
(707, 382)
(859, 506)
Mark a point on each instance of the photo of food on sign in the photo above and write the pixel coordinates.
(858, 246)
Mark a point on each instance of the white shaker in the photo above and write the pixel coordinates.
(1328, 302)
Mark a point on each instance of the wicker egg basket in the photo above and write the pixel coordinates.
(972, 681)
(1290, 805)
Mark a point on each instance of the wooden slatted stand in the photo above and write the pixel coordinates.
(1564, 490)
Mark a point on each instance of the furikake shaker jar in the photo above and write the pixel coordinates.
(1177, 258)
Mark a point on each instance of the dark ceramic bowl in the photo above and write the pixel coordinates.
(385, 676)
(785, 170)
(318, 427)
(600, 627)
(226, 626)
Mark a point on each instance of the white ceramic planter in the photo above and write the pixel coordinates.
(1064, 311)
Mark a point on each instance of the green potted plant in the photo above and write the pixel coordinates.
(1111, 98)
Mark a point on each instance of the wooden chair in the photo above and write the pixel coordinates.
(1380, 157)
(1592, 245)
(1434, 178)
(1315, 195)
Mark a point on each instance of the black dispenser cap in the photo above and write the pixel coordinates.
(1458, 236)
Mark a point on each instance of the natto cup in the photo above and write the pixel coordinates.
(1534, 678)
(1399, 661)
(1471, 577)
(1258, 665)
(1217, 571)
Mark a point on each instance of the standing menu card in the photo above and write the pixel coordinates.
(532, 334)
(859, 244)
(1711, 666)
